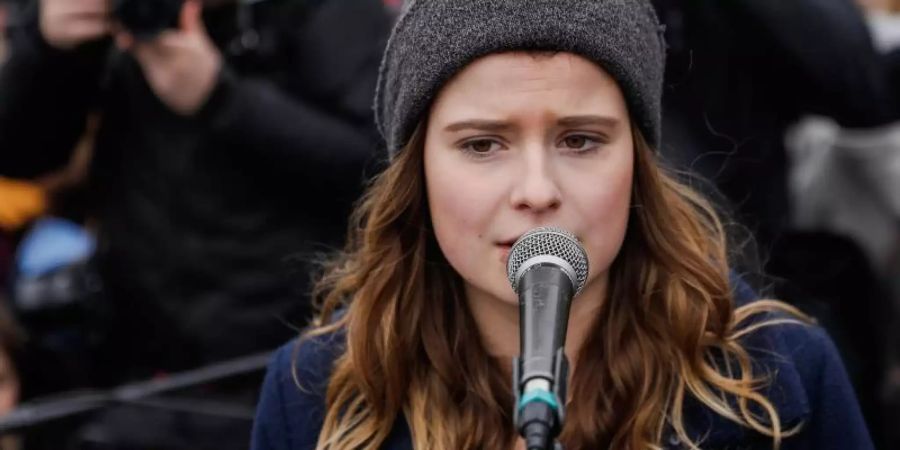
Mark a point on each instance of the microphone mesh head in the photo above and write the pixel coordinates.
(548, 241)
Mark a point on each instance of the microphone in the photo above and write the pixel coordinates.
(547, 267)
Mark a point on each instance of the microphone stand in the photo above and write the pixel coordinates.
(539, 409)
(41, 412)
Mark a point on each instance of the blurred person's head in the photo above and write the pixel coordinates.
(880, 5)
(493, 131)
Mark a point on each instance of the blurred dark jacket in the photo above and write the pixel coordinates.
(202, 218)
(739, 72)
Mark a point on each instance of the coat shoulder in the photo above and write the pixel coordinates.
(834, 419)
(291, 408)
(805, 380)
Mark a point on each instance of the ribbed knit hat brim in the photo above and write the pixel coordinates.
(434, 39)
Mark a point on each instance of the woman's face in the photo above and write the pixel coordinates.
(520, 140)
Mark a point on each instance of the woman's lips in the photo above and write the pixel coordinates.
(504, 252)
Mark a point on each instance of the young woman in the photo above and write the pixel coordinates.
(499, 117)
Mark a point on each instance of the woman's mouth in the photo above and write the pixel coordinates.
(504, 251)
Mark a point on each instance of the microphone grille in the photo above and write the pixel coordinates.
(548, 241)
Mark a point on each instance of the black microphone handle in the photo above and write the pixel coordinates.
(544, 297)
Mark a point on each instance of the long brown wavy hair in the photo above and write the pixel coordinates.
(410, 348)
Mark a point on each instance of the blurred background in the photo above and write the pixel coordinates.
(157, 237)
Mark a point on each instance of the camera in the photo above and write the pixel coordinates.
(147, 18)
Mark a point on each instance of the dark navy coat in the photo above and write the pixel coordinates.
(809, 386)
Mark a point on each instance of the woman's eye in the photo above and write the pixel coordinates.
(580, 142)
(575, 141)
(480, 147)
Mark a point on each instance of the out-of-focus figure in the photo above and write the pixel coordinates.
(740, 74)
(224, 146)
(231, 139)
(847, 181)
(884, 22)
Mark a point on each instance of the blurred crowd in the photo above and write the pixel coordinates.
(169, 178)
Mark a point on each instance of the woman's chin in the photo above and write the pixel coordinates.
(499, 294)
(507, 297)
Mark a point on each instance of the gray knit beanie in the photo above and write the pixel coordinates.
(434, 39)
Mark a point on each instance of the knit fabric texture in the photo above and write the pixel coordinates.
(435, 39)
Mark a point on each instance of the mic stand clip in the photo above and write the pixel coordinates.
(538, 414)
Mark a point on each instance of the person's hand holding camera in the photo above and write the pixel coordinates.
(66, 24)
(181, 65)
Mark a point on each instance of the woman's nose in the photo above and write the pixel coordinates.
(536, 188)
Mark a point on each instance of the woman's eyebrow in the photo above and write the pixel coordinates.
(578, 121)
(480, 125)
(499, 126)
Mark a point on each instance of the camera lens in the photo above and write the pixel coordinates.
(147, 18)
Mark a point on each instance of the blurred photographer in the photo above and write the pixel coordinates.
(233, 136)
